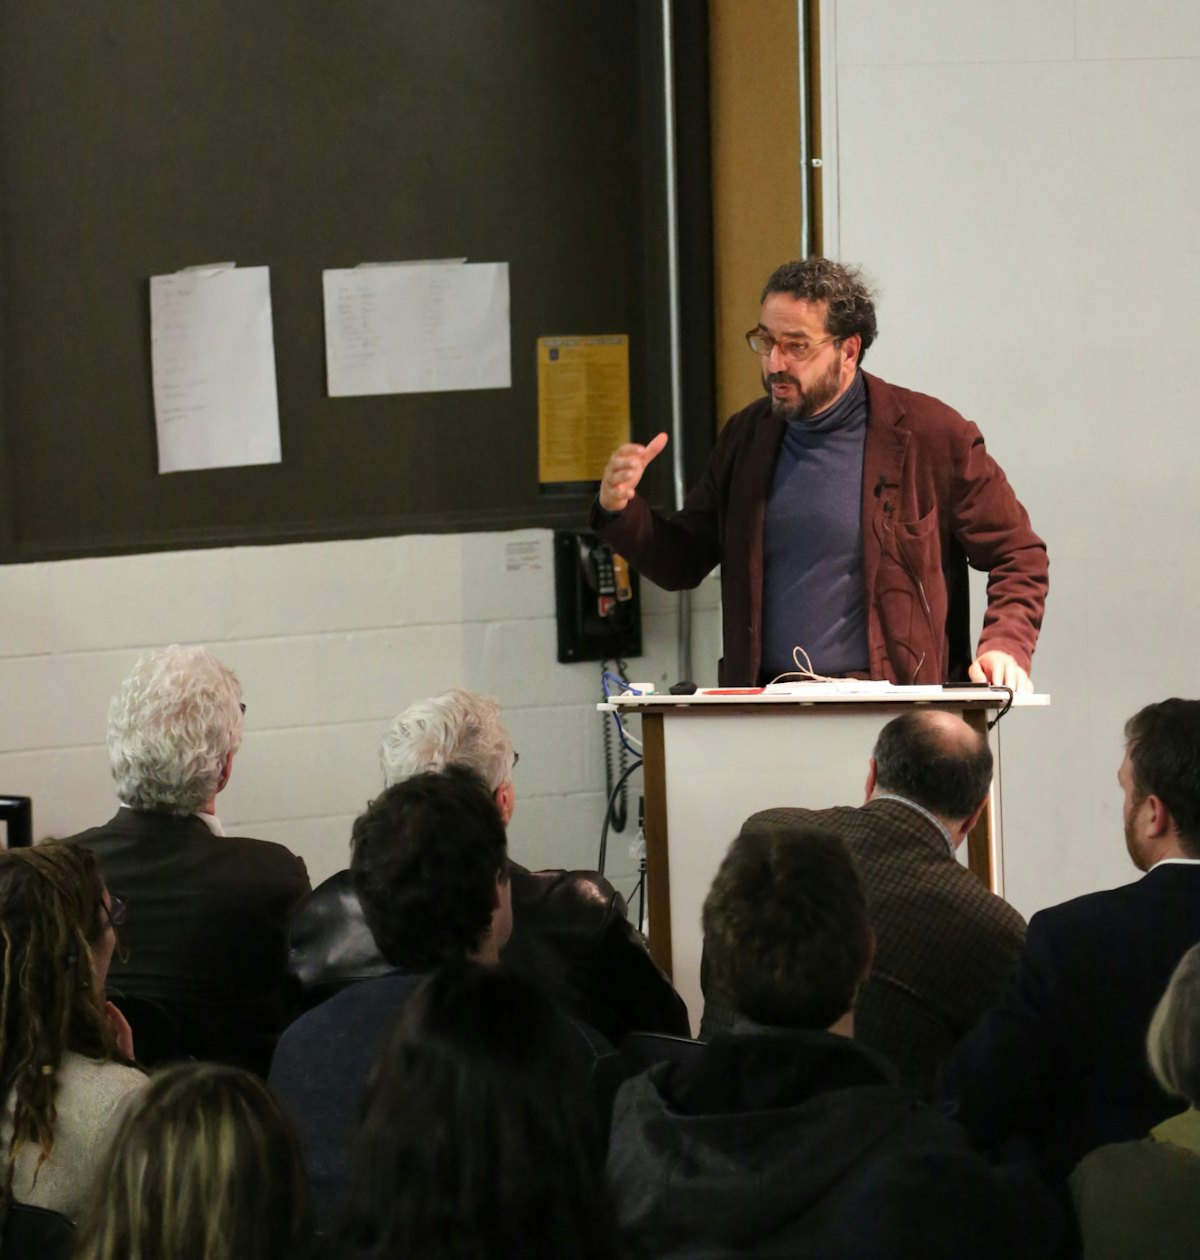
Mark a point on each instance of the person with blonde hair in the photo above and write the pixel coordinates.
(64, 1052)
(206, 951)
(1143, 1198)
(204, 1166)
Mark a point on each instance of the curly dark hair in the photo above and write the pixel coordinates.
(479, 1138)
(851, 304)
(785, 926)
(424, 860)
(51, 913)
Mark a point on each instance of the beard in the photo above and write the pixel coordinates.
(1131, 840)
(809, 402)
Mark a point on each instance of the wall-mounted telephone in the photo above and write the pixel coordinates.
(597, 599)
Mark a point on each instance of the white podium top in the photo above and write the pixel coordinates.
(848, 691)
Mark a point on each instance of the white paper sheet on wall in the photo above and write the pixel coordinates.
(406, 328)
(212, 348)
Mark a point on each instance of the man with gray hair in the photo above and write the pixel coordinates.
(204, 950)
(947, 948)
(571, 931)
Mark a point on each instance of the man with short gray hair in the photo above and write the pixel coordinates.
(571, 931)
(946, 947)
(204, 951)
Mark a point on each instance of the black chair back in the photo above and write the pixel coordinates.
(34, 1233)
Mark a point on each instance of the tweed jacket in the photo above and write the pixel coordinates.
(933, 502)
(946, 948)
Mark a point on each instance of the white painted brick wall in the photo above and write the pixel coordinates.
(330, 641)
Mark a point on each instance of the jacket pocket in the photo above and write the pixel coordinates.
(910, 595)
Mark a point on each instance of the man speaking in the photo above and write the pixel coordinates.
(843, 512)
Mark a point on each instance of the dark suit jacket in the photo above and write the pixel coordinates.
(1061, 1061)
(206, 934)
(946, 948)
(571, 935)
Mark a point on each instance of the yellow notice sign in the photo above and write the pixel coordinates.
(583, 405)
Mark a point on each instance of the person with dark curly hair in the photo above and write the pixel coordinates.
(429, 862)
(843, 512)
(65, 1054)
(204, 1166)
(478, 1137)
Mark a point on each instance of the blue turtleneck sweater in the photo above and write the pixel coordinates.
(812, 542)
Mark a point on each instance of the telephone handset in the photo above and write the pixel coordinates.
(597, 599)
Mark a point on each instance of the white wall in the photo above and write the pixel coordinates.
(330, 641)
(1022, 181)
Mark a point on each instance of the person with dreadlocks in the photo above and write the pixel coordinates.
(65, 1053)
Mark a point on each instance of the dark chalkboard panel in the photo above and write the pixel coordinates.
(137, 138)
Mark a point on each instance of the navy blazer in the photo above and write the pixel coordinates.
(1061, 1062)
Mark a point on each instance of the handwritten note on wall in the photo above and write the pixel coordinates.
(212, 350)
(405, 328)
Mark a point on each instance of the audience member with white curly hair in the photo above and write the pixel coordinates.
(204, 962)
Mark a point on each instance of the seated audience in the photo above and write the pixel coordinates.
(478, 1136)
(430, 868)
(571, 931)
(946, 948)
(207, 932)
(64, 1054)
(749, 1148)
(1058, 1067)
(1143, 1198)
(204, 1165)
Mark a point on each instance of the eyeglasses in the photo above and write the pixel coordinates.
(516, 758)
(116, 912)
(795, 351)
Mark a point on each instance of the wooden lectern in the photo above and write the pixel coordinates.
(715, 758)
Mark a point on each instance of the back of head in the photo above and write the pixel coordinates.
(935, 760)
(457, 728)
(51, 908)
(204, 1166)
(171, 728)
(1173, 1040)
(785, 927)
(478, 1136)
(1164, 756)
(851, 305)
(425, 859)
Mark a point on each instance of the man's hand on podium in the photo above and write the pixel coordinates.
(999, 669)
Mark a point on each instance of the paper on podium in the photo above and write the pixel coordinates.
(212, 351)
(404, 328)
(833, 687)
